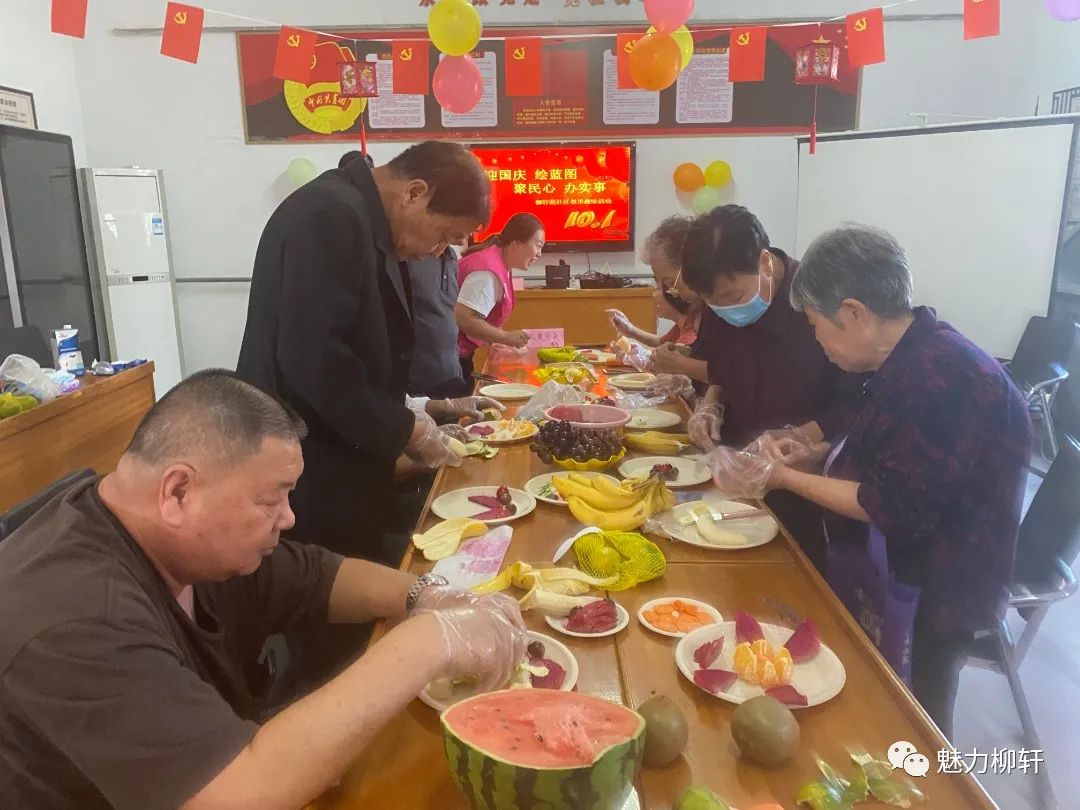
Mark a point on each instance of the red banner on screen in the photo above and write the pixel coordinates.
(583, 194)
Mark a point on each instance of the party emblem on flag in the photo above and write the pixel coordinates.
(866, 37)
(182, 34)
(524, 66)
(747, 54)
(320, 104)
(410, 64)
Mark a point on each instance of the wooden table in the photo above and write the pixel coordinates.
(406, 768)
(90, 427)
(580, 313)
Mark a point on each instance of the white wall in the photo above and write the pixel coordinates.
(143, 109)
(32, 58)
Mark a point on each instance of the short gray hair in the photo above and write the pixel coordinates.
(666, 242)
(854, 261)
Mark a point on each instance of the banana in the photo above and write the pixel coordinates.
(458, 447)
(656, 442)
(710, 530)
(503, 580)
(580, 479)
(618, 496)
(551, 603)
(624, 520)
(618, 499)
(443, 539)
(569, 580)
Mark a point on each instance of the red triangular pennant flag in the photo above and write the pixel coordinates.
(982, 18)
(410, 75)
(69, 18)
(624, 43)
(183, 32)
(524, 66)
(295, 55)
(866, 37)
(747, 54)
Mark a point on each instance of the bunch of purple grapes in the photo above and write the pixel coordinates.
(561, 440)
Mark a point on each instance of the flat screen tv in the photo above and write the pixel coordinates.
(583, 193)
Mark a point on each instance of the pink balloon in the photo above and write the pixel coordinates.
(667, 15)
(457, 84)
(1063, 10)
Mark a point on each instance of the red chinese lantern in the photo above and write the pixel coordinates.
(817, 62)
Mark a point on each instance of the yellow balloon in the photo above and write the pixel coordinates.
(454, 27)
(718, 173)
(685, 40)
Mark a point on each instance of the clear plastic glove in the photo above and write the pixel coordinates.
(518, 339)
(704, 426)
(444, 597)
(619, 322)
(468, 407)
(456, 431)
(738, 474)
(789, 446)
(485, 639)
(671, 386)
(632, 353)
(668, 358)
(431, 446)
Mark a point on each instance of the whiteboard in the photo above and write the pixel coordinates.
(978, 211)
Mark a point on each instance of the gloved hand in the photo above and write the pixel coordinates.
(456, 431)
(669, 358)
(470, 407)
(671, 386)
(738, 474)
(431, 446)
(789, 446)
(619, 322)
(519, 338)
(484, 638)
(704, 426)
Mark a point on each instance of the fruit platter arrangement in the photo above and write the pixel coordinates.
(567, 374)
(502, 431)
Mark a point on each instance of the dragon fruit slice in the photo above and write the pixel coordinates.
(495, 513)
(747, 628)
(481, 430)
(490, 501)
(714, 680)
(707, 653)
(555, 677)
(804, 643)
(787, 694)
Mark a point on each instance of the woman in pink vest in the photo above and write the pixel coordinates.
(486, 291)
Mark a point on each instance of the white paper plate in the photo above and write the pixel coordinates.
(635, 381)
(553, 649)
(597, 357)
(456, 504)
(494, 425)
(652, 419)
(652, 603)
(622, 619)
(691, 471)
(755, 531)
(536, 483)
(509, 391)
(820, 678)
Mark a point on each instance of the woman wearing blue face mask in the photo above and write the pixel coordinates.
(765, 368)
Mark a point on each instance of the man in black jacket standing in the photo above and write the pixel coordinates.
(330, 332)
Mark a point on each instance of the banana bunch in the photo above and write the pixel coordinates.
(656, 442)
(443, 539)
(552, 591)
(610, 506)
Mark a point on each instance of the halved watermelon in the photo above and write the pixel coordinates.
(543, 748)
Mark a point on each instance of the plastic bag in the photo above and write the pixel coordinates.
(630, 556)
(630, 401)
(27, 377)
(550, 394)
(631, 353)
(737, 473)
(500, 351)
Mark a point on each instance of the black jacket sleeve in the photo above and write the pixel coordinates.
(326, 259)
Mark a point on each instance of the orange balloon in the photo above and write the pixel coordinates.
(689, 177)
(655, 61)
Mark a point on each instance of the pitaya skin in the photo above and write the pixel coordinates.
(747, 628)
(804, 644)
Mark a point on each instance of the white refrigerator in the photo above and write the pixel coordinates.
(127, 232)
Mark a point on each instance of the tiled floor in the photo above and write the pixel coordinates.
(986, 717)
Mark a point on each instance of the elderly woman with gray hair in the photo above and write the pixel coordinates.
(674, 301)
(922, 497)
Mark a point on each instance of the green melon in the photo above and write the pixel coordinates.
(543, 749)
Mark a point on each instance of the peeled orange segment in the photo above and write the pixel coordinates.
(762, 648)
(756, 662)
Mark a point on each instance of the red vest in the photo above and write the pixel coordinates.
(491, 260)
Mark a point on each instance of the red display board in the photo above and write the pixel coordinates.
(583, 193)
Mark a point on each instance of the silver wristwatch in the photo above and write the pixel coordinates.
(423, 581)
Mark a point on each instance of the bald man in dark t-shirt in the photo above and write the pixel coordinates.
(133, 608)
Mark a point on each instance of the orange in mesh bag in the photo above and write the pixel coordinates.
(630, 556)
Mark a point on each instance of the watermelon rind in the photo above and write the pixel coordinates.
(490, 782)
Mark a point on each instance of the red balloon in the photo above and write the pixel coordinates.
(457, 84)
(667, 15)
